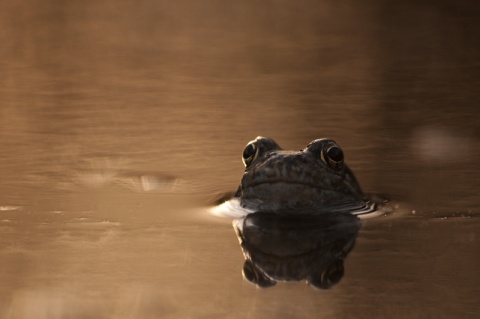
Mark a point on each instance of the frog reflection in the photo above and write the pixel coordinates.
(309, 248)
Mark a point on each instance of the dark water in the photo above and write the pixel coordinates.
(122, 121)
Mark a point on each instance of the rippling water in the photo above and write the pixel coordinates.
(122, 122)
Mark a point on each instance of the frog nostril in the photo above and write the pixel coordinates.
(270, 172)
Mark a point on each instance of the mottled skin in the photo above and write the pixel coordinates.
(315, 179)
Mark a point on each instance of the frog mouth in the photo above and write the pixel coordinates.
(279, 194)
(284, 184)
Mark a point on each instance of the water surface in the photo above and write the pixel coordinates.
(122, 122)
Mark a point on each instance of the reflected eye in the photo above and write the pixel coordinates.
(249, 154)
(333, 156)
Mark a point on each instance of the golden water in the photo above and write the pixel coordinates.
(122, 121)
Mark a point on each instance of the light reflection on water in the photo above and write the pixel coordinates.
(121, 123)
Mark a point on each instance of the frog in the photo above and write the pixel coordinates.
(314, 180)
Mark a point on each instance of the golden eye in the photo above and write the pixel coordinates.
(332, 154)
(249, 153)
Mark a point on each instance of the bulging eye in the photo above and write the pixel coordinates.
(332, 154)
(249, 153)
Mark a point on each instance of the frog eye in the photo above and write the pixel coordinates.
(332, 154)
(249, 153)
